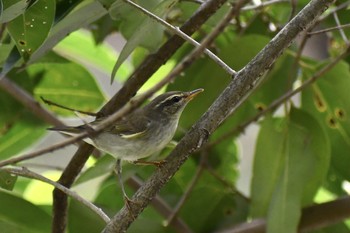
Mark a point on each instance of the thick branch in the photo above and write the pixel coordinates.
(227, 102)
(60, 199)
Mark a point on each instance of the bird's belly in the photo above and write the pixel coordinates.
(133, 149)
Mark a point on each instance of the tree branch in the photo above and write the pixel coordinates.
(30, 174)
(224, 105)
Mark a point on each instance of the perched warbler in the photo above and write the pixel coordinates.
(141, 133)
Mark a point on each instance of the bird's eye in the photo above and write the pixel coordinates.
(176, 99)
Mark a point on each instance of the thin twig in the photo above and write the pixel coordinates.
(341, 31)
(335, 9)
(329, 29)
(200, 2)
(293, 4)
(263, 4)
(162, 207)
(49, 102)
(183, 35)
(30, 174)
(195, 54)
(189, 188)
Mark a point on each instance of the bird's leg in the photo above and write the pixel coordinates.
(155, 163)
(118, 171)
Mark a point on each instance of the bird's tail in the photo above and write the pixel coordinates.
(68, 129)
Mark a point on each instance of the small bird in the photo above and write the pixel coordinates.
(141, 133)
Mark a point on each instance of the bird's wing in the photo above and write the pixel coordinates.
(132, 127)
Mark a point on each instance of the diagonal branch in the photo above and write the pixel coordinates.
(184, 36)
(225, 104)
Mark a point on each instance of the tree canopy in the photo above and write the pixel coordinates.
(249, 56)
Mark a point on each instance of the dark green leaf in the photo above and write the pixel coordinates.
(30, 29)
(7, 180)
(23, 214)
(63, 7)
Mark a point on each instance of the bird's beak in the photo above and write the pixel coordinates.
(192, 94)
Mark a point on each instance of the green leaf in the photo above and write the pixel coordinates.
(305, 165)
(148, 31)
(210, 199)
(21, 134)
(328, 101)
(85, 14)
(30, 29)
(10, 9)
(23, 214)
(7, 180)
(5, 50)
(78, 90)
(266, 166)
(103, 166)
(291, 161)
(82, 219)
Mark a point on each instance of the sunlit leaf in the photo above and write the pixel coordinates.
(77, 90)
(80, 46)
